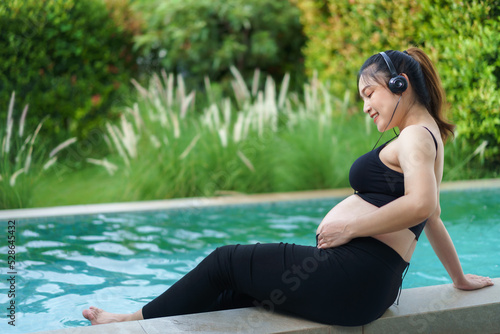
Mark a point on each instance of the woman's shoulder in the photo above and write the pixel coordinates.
(419, 137)
(419, 132)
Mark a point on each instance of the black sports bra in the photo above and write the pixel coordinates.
(378, 184)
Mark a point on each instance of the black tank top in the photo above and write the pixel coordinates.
(378, 184)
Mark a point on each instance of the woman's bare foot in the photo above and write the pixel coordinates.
(96, 316)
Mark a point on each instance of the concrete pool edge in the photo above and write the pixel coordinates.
(431, 309)
(198, 202)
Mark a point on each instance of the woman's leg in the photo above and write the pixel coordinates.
(348, 285)
(205, 288)
(276, 276)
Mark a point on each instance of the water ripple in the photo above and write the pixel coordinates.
(109, 247)
(49, 288)
(44, 244)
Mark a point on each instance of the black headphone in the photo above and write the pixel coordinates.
(398, 83)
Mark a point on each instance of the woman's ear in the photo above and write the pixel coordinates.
(407, 80)
(406, 77)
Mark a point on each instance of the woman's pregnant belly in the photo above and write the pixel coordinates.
(403, 242)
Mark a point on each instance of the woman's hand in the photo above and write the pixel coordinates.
(333, 234)
(473, 282)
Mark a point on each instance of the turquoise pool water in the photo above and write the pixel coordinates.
(121, 261)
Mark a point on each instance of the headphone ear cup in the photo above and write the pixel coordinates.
(398, 84)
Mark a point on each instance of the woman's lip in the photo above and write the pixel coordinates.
(375, 117)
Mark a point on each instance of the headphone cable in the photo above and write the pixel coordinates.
(397, 104)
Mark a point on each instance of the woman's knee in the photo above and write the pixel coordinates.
(221, 256)
(224, 250)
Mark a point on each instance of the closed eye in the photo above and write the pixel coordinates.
(365, 90)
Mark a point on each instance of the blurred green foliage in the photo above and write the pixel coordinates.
(464, 39)
(342, 34)
(461, 37)
(199, 38)
(66, 59)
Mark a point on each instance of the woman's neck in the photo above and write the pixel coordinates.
(417, 114)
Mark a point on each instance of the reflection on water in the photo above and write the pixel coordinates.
(121, 261)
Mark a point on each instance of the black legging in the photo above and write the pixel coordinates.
(350, 285)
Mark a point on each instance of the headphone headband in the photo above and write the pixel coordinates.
(391, 67)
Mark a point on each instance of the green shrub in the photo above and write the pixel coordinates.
(342, 34)
(66, 59)
(464, 40)
(201, 38)
(461, 38)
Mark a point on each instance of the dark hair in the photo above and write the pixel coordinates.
(423, 77)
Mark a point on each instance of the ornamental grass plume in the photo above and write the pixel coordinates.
(161, 116)
(110, 167)
(22, 162)
(229, 143)
(164, 109)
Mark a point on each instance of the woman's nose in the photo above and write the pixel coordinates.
(366, 108)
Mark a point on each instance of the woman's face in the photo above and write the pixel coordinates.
(379, 103)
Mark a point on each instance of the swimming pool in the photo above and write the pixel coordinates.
(121, 261)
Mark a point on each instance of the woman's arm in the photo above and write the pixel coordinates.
(445, 250)
(419, 202)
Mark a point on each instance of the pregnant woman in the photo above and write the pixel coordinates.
(365, 243)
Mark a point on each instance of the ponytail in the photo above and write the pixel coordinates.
(437, 97)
